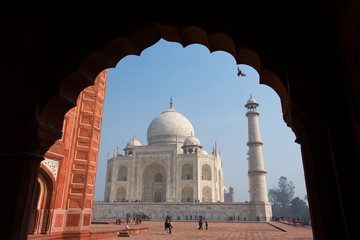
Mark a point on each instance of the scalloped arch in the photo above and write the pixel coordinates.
(139, 40)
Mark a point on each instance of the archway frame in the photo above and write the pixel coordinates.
(317, 38)
(41, 217)
(139, 40)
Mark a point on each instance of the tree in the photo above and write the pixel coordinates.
(299, 209)
(281, 196)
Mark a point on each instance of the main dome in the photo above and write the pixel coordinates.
(170, 126)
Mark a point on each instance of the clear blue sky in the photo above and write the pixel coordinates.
(207, 91)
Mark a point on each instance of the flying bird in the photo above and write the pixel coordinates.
(240, 73)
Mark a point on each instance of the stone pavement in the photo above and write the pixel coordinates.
(217, 231)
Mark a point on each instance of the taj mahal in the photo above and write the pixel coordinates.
(173, 166)
(174, 175)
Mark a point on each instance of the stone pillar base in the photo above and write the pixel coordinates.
(260, 211)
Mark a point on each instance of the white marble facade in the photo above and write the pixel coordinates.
(173, 167)
(174, 175)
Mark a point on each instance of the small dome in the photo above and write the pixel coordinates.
(192, 141)
(251, 100)
(202, 151)
(133, 142)
(251, 103)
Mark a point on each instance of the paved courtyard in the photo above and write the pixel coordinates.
(217, 231)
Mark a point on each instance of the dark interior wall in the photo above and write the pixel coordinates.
(313, 48)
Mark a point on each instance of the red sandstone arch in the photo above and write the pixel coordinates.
(139, 40)
(315, 37)
(41, 216)
(92, 65)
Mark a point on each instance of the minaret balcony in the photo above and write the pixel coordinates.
(252, 113)
(257, 172)
(255, 143)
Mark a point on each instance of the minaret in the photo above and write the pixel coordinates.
(256, 170)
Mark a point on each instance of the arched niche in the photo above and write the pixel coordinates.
(187, 194)
(187, 172)
(41, 215)
(122, 173)
(121, 194)
(206, 194)
(206, 172)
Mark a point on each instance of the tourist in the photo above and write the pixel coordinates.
(295, 221)
(200, 224)
(206, 224)
(166, 226)
(170, 227)
(127, 221)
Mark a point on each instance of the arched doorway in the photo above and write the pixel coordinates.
(187, 172)
(187, 194)
(122, 173)
(206, 172)
(121, 194)
(153, 183)
(206, 194)
(41, 215)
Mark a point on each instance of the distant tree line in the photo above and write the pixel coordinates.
(283, 202)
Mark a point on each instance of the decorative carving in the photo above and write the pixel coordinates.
(52, 165)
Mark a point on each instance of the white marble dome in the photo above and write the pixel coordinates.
(170, 126)
(251, 100)
(133, 142)
(251, 104)
(192, 141)
(202, 151)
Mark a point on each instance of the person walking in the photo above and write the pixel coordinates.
(206, 225)
(200, 224)
(170, 227)
(166, 225)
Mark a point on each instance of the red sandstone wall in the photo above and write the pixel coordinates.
(229, 197)
(77, 153)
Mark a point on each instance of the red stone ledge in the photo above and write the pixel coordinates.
(131, 232)
(62, 235)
